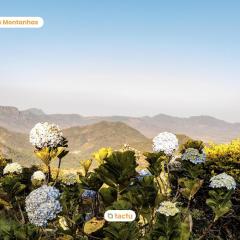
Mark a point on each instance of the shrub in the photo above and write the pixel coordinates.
(225, 158)
(173, 198)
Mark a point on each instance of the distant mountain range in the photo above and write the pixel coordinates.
(205, 128)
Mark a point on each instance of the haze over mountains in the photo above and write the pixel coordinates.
(205, 128)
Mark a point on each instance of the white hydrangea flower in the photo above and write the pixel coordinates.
(12, 168)
(39, 176)
(165, 142)
(194, 156)
(45, 135)
(168, 208)
(70, 178)
(223, 180)
(43, 205)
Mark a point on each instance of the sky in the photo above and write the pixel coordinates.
(128, 57)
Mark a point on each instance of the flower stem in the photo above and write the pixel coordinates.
(20, 210)
(58, 170)
(49, 174)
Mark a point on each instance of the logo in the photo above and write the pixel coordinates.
(119, 215)
(21, 22)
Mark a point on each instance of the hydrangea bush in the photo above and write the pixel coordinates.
(175, 195)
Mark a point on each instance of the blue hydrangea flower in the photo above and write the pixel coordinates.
(88, 216)
(43, 205)
(194, 156)
(143, 173)
(89, 194)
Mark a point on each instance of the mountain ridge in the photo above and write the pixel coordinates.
(202, 127)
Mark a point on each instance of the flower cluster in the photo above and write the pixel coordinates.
(165, 142)
(45, 135)
(38, 176)
(89, 194)
(223, 180)
(194, 156)
(143, 173)
(12, 168)
(42, 205)
(70, 178)
(168, 208)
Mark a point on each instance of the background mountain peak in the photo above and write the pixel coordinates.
(34, 111)
(206, 128)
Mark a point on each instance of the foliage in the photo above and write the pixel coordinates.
(171, 203)
(225, 158)
(121, 231)
(118, 169)
(166, 228)
(199, 145)
(10, 229)
(220, 202)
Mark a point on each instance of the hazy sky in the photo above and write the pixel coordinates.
(125, 57)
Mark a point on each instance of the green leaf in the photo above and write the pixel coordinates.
(118, 169)
(166, 227)
(219, 202)
(155, 162)
(108, 194)
(121, 231)
(186, 226)
(189, 187)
